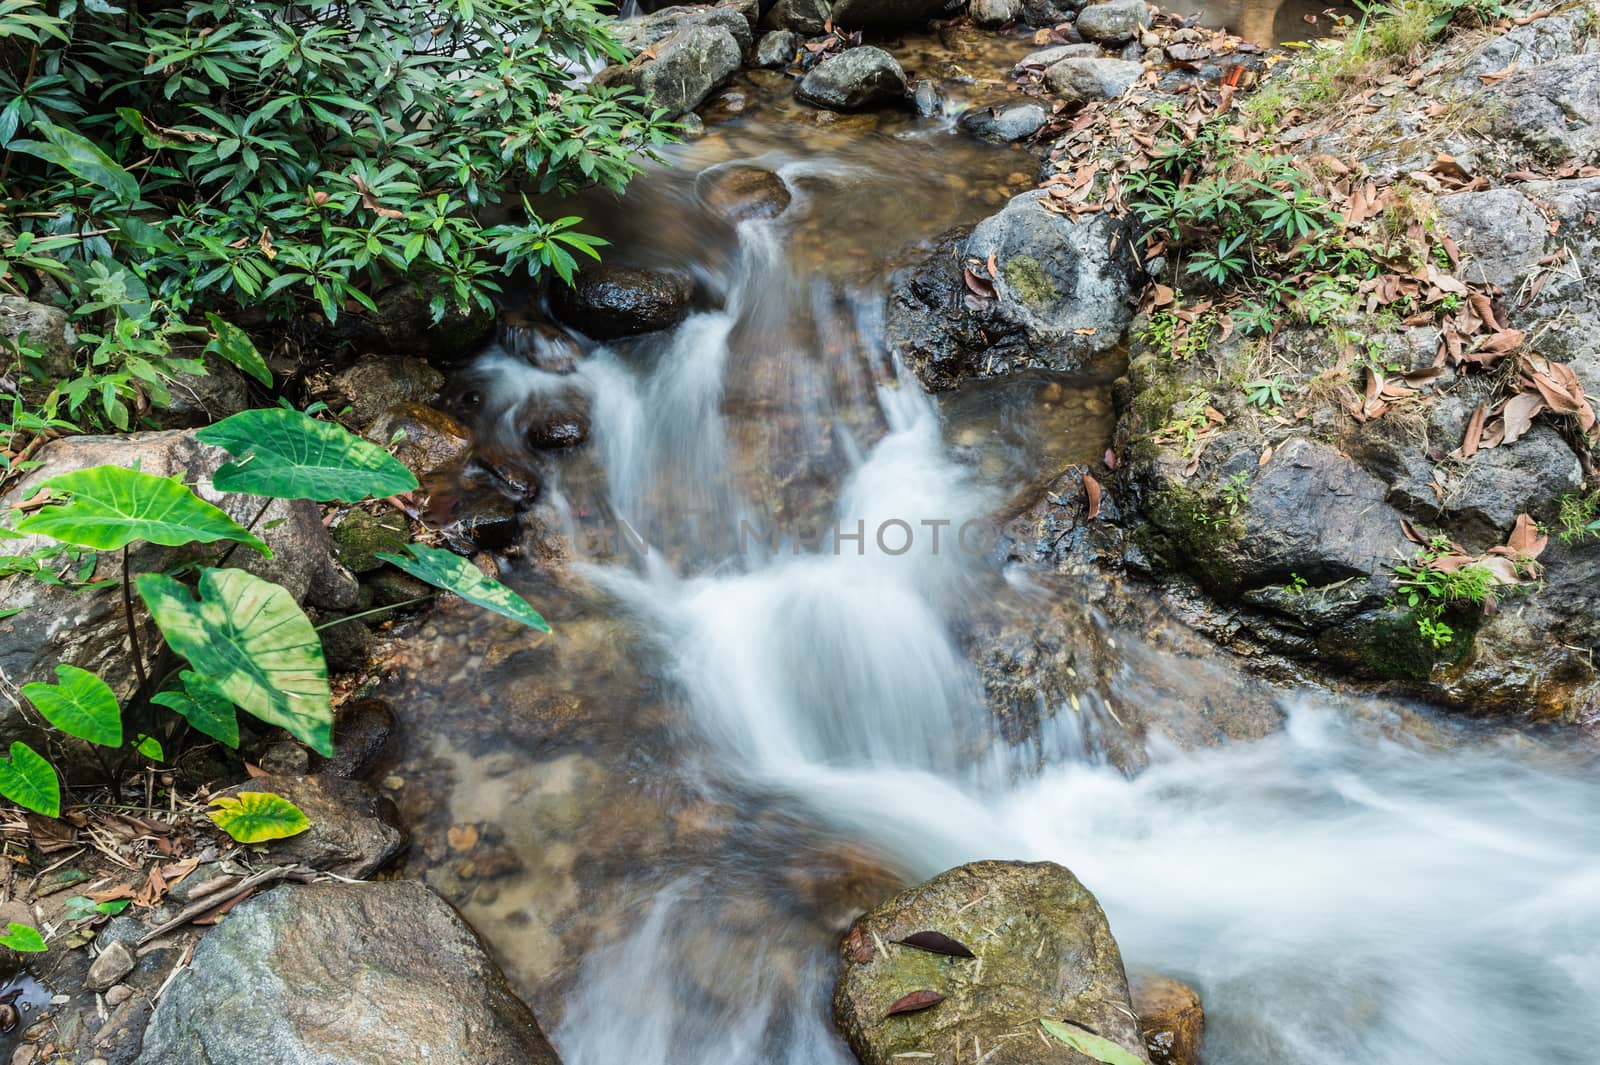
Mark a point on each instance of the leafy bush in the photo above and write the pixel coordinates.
(290, 158)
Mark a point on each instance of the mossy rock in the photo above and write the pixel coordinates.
(361, 536)
(1043, 950)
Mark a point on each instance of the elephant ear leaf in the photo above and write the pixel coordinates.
(257, 816)
(1086, 1042)
(82, 705)
(250, 642)
(28, 780)
(287, 455)
(110, 507)
(449, 571)
(205, 708)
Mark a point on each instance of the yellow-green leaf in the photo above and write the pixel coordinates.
(257, 816)
(1096, 1047)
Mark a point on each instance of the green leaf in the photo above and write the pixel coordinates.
(250, 641)
(79, 156)
(150, 747)
(208, 710)
(234, 345)
(24, 939)
(286, 455)
(1096, 1047)
(257, 816)
(111, 507)
(442, 569)
(28, 780)
(82, 705)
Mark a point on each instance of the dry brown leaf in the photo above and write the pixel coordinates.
(1091, 489)
(1518, 414)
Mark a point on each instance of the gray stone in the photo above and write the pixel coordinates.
(749, 10)
(777, 48)
(687, 64)
(200, 399)
(1000, 123)
(46, 327)
(343, 974)
(805, 17)
(1059, 275)
(1046, 951)
(405, 325)
(1500, 232)
(855, 13)
(1113, 22)
(644, 31)
(1046, 57)
(374, 383)
(113, 963)
(994, 13)
(355, 830)
(1484, 498)
(1079, 80)
(607, 301)
(854, 80)
(1554, 109)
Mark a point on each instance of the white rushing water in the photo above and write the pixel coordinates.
(1338, 896)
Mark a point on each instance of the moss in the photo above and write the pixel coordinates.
(361, 536)
(1204, 546)
(1028, 279)
(1393, 648)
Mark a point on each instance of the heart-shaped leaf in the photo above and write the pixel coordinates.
(442, 569)
(284, 454)
(257, 816)
(205, 708)
(1097, 1047)
(111, 507)
(249, 640)
(24, 939)
(82, 705)
(28, 780)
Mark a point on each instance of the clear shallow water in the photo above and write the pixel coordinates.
(735, 743)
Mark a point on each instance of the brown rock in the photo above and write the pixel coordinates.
(115, 962)
(431, 437)
(740, 192)
(1171, 1018)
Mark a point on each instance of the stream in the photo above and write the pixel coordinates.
(753, 722)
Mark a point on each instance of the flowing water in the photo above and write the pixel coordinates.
(764, 710)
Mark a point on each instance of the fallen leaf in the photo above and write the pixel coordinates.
(912, 1003)
(1518, 414)
(1525, 539)
(1091, 488)
(1498, 75)
(859, 946)
(938, 942)
(1474, 434)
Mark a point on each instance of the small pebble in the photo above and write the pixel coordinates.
(116, 996)
(394, 783)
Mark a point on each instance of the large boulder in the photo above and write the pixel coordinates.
(1043, 950)
(1171, 1018)
(777, 48)
(57, 624)
(1114, 22)
(1553, 109)
(608, 301)
(1005, 122)
(854, 80)
(1078, 80)
(806, 17)
(343, 974)
(852, 14)
(685, 53)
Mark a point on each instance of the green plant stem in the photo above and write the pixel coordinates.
(377, 610)
(133, 628)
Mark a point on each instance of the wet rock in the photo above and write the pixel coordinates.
(992, 13)
(424, 439)
(1114, 22)
(355, 831)
(749, 10)
(1080, 80)
(284, 758)
(346, 647)
(343, 974)
(1484, 498)
(363, 736)
(1046, 57)
(113, 963)
(374, 383)
(1046, 951)
(856, 13)
(47, 329)
(854, 80)
(691, 51)
(926, 100)
(200, 399)
(610, 301)
(405, 325)
(361, 535)
(88, 629)
(1046, 13)
(777, 48)
(738, 192)
(555, 419)
(804, 17)
(1005, 123)
(1551, 109)
(1171, 1018)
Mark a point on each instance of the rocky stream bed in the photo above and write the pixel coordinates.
(1149, 738)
